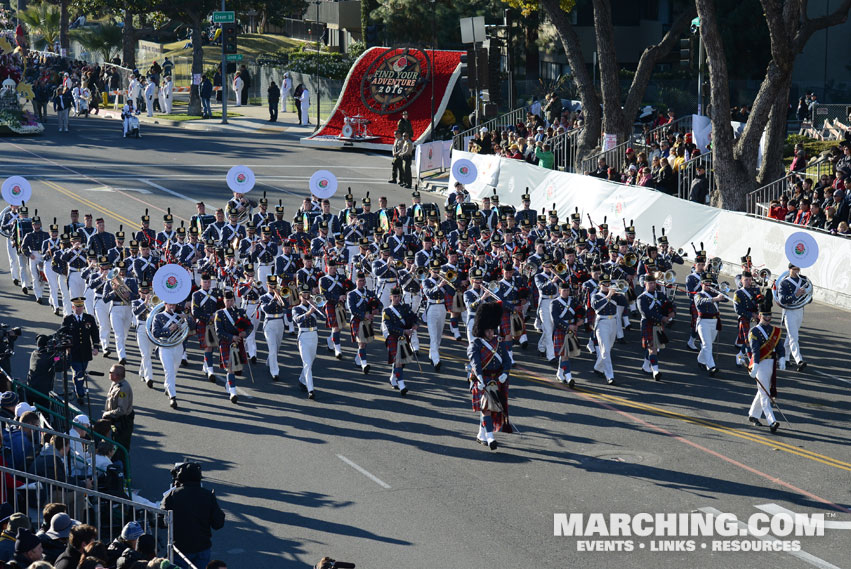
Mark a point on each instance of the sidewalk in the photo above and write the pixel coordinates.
(254, 118)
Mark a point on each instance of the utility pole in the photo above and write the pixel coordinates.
(224, 76)
(433, 41)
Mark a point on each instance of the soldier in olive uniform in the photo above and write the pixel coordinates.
(119, 408)
(85, 342)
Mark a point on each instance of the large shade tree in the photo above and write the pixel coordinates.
(735, 160)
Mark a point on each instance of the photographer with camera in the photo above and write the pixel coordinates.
(42, 370)
(196, 513)
(7, 350)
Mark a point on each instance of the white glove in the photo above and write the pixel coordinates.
(753, 372)
(503, 377)
(781, 365)
(479, 384)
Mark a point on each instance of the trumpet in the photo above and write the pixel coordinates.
(682, 252)
(723, 289)
(620, 285)
(317, 301)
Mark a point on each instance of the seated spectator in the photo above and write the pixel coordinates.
(631, 177)
(839, 202)
(52, 547)
(80, 537)
(699, 190)
(128, 539)
(631, 157)
(843, 228)
(602, 170)
(27, 549)
(792, 213)
(641, 161)
(55, 540)
(666, 180)
(817, 217)
(830, 221)
(803, 217)
(545, 156)
(645, 178)
(80, 454)
(7, 539)
(777, 211)
(843, 165)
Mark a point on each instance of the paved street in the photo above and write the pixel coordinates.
(366, 476)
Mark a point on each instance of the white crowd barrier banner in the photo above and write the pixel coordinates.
(725, 234)
(433, 156)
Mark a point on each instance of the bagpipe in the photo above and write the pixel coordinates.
(238, 358)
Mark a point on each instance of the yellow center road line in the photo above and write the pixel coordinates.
(772, 443)
(93, 205)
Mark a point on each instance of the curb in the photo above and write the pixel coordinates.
(203, 125)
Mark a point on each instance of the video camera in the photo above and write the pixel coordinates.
(7, 340)
(59, 342)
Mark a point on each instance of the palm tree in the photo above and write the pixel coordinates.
(105, 41)
(42, 20)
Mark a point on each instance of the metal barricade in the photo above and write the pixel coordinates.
(830, 120)
(761, 197)
(502, 121)
(565, 148)
(688, 171)
(29, 493)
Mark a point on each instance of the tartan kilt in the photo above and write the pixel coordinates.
(499, 419)
(392, 344)
(224, 353)
(447, 300)
(505, 324)
(647, 339)
(693, 310)
(744, 329)
(354, 330)
(559, 338)
(201, 330)
(331, 314)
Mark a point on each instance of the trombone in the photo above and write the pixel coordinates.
(722, 289)
(449, 277)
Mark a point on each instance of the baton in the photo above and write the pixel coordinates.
(774, 403)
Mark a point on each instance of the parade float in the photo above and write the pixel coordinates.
(383, 83)
(14, 91)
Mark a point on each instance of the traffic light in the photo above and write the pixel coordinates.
(229, 34)
(685, 52)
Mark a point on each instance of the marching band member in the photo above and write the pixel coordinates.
(411, 293)
(693, 281)
(397, 324)
(146, 264)
(511, 293)
(362, 304)
(141, 309)
(384, 270)
(165, 324)
(605, 305)
(791, 288)
(145, 233)
(60, 267)
(490, 365)
(272, 307)
(167, 235)
(766, 350)
(7, 224)
(455, 290)
(264, 255)
(87, 274)
(96, 285)
(308, 275)
(708, 321)
(232, 327)
(333, 289)
(545, 282)
(214, 230)
(87, 230)
(75, 261)
(473, 298)
(120, 293)
(651, 305)
(435, 292)
(304, 315)
(745, 303)
(101, 240)
(51, 247)
(118, 252)
(563, 315)
(249, 293)
(31, 249)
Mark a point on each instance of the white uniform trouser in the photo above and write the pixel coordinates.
(264, 271)
(66, 295)
(707, 331)
(383, 293)
(146, 349)
(120, 317)
(102, 317)
(605, 330)
(353, 250)
(792, 319)
(545, 344)
(251, 339)
(414, 301)
(307, 342)
(469, 327)
(170, 358)
(76, 285)
(14, 260)
(436, 320)
(52, 285)
(35, 278)
(274, 332)
(762, 402)
(619, 315)
(89, 295)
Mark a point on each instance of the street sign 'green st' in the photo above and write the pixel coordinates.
(234, 57)
(224, 17)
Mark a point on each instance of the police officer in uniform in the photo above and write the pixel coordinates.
(84, 343)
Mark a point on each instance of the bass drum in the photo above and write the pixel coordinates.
(347, 132)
